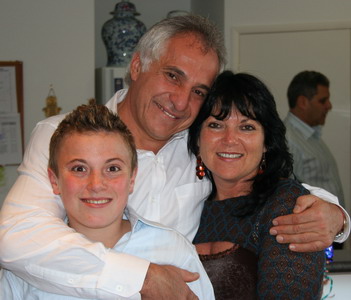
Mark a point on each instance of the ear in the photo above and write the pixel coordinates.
(132, 180)
(54, 182)
(302, 102)
(135, 66)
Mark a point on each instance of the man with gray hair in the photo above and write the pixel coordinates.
(169, 76)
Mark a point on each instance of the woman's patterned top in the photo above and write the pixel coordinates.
(281, 273)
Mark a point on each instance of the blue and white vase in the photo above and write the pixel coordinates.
(121, 34)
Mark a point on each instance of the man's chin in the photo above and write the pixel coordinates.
(166, 134)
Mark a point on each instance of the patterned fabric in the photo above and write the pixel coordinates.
(313, 161)
(281, 274)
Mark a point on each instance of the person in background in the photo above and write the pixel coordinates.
(92, 166)
(170, 74)
(309, 103)
(240, 143)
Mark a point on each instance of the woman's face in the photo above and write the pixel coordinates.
(232, 148)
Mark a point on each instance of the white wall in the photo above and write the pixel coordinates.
(55, 41)
(270, 12)
(211, 9)
(151, 11)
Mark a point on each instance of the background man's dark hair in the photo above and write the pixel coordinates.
(305, 83)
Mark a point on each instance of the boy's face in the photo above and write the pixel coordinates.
(94, 178)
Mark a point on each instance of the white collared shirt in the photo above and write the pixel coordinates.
(147, 240)
(313, 161)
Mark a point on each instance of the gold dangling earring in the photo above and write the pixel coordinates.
(200, 168)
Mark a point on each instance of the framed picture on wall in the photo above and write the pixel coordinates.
(11, 112)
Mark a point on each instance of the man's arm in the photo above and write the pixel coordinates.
(167, 282)
(314, 224)
(38, 246)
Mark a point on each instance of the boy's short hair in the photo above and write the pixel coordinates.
(90, 118)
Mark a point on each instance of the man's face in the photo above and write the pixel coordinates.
(166, 98)
(319, 106)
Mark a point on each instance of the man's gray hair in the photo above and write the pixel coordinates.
(154, 41)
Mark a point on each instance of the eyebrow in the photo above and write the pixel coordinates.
(115, 158)
(85, 162)
(182, 74)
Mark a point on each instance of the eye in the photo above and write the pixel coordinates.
(248, 127)
(214, 125)
(171, 75)
(113, 169)
(78, 169)
(200, 93)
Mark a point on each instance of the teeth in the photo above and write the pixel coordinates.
(227, 155)
(167, 113)
(97, 201)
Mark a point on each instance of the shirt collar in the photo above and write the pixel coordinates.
(306, 130)
(137, 221)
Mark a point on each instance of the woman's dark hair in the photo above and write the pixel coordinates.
(252, 99)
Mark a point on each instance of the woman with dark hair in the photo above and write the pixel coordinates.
(240, 143)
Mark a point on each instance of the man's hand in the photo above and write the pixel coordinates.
(167, 282)
(312, 226)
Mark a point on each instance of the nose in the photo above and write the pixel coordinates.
(180, 99)
(96, 182)
(329, 105)
(231, 136)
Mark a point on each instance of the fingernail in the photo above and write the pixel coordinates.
(280, 238)
(297, 208)
(292, 247)
(273, 232)
(275, 222)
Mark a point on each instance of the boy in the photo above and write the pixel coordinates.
(92, 167)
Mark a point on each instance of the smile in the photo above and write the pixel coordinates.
(229, 155)
(96, 201)
(165, 112)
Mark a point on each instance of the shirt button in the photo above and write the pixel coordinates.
(119, 288)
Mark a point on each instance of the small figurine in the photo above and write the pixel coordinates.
(51, 108)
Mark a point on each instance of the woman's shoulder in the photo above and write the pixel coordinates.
(283, 198)
(289, 187)
(286, 189)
